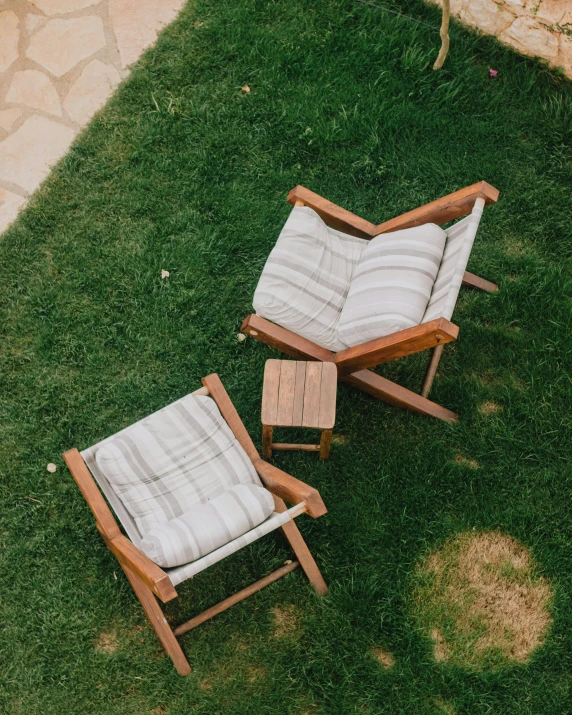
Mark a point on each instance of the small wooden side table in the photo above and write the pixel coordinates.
(299, 394)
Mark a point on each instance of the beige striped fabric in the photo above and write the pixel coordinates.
(206, 527)
(392, 284)
(460, 239)
(182, 573)
(306, 279)
(179, 457)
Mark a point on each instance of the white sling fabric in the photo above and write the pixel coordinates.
(460, 239)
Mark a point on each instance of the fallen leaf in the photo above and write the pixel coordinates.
(246, 89)
(164, 274)
(241, 337)
(493, 73)
(51, 467)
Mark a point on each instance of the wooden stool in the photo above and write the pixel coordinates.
(299, 394)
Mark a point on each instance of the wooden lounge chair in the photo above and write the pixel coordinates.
(435, 331)
(215, 447)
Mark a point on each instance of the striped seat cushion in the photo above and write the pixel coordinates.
(392, 284)
(179, 457)
(306, 279)
(206, 527)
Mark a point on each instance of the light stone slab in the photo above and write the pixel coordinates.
(61, 7)
(8, 117)
(10, 205)
(9, 38)
(61, 44)
(27, 155)
(35, 89)
(136, 24)
(34, 22)
(90, 91)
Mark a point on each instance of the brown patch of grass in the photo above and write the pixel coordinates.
(206, 685)
(339, 438)
(159, 710)
(285, 621)
(440, 649)
(490, 408)
(482, 602)
(254, 673)
(444, 707)
(384, 658)
(106, 643)
(466, 462)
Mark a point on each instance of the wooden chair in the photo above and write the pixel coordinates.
(151, 582)
(353, 363)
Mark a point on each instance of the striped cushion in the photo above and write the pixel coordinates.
(179, 457)
(206, 527)
(392, 284)
(306, 278)
(460, 239)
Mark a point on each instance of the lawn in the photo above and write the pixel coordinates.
(185, 172)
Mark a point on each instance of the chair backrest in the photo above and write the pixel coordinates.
(89, 455)
(460, 239)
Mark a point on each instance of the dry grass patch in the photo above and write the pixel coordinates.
(106, 643)
(466, 462)
(482, 602)
(339, 438)
(444, 707)
(490, 408)
(285, 620)
(383, 657)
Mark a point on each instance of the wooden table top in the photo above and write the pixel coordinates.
(299, 394)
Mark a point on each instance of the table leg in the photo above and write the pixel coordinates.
(325, 442)
(267, 441)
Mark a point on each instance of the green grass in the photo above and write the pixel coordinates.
(183, 171)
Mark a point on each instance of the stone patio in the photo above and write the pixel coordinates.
(60, 60)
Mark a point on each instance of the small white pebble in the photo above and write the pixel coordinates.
(164, 273)
(241, 337)
(51, 467)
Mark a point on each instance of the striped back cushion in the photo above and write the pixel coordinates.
(305, 281)
(179, 457)
(206, 527)
(392, 283)
(460, 239)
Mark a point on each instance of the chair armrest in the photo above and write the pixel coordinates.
(284, 340)
(460, 203)
(333, 215)
(86, 483)
(292, 490)
(391, 347)
(135, 560)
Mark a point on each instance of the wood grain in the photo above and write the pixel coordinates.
(287, 391)
(284, 340)
(311, 413)
(391, 347)
(270, 392)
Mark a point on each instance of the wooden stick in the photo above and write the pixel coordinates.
(285, 486)
(333, 215)
(444, 32)
(437, 352)
(284, 340)
(236, 598)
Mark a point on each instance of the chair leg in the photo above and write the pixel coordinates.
(159, 622)
(431, 371)
(396, 395)
(472, 281)
(307, 562)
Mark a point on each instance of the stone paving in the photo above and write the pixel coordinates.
(60, 60)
